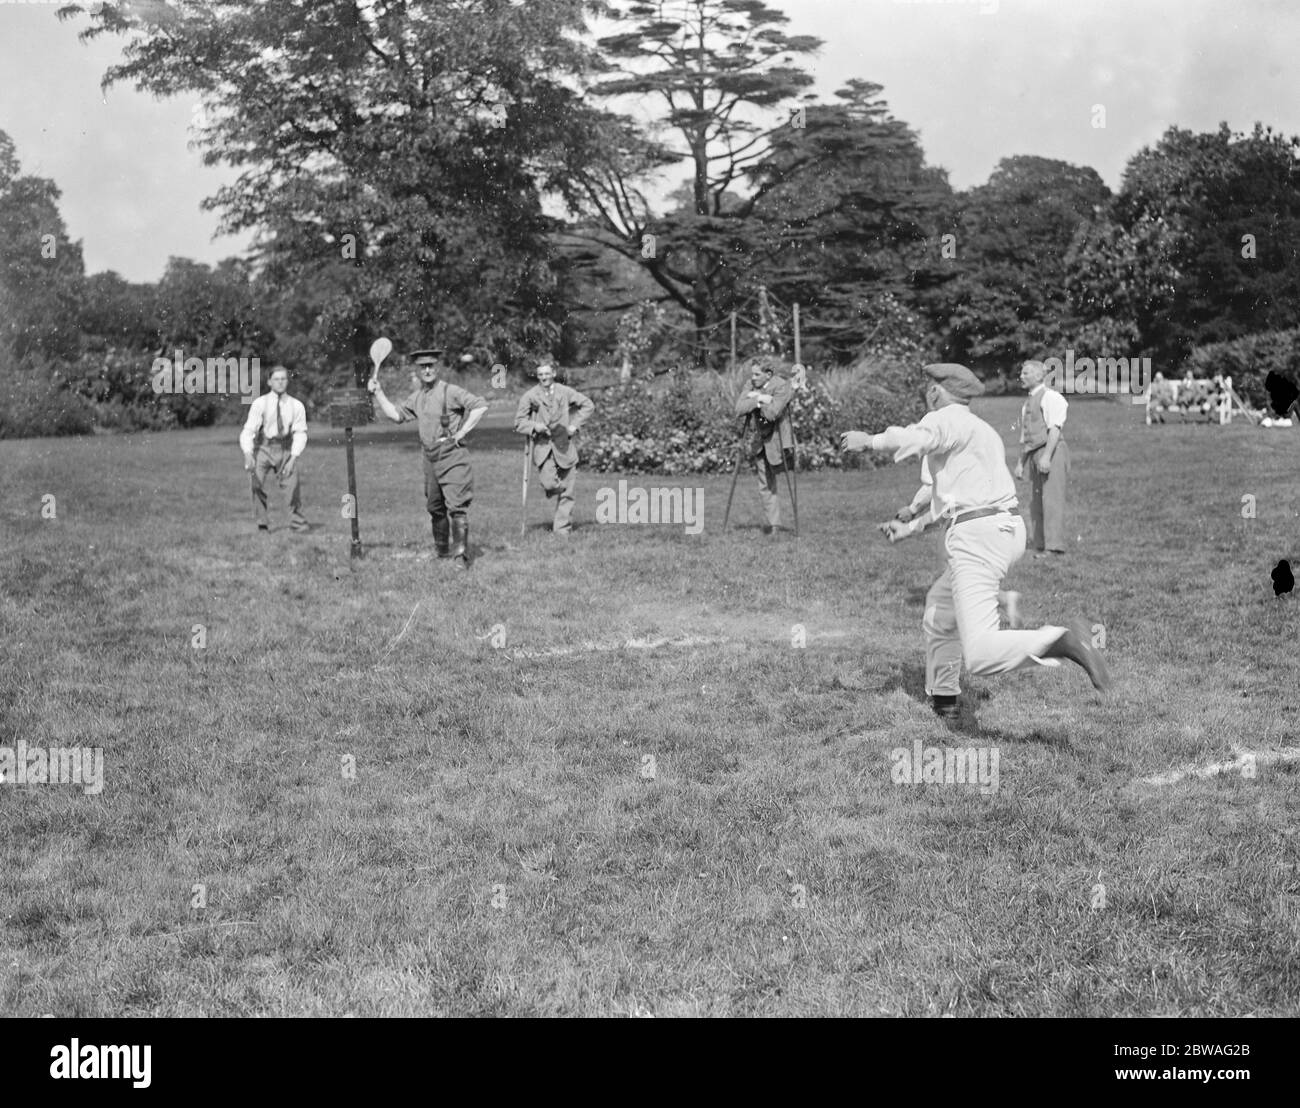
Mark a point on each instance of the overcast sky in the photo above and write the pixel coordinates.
(979, 79)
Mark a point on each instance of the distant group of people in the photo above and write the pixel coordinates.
(550, 414)
(966, 487)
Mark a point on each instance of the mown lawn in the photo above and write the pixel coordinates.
(602, 777)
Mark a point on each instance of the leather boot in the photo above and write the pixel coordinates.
(945, 707)
(1075, 646)
(460, 541)
(441, 536)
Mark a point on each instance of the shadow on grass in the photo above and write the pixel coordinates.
(909, 678)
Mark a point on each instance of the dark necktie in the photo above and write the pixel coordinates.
(279, 423)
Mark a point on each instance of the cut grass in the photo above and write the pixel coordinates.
(507, 847)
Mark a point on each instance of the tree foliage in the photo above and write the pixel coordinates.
(395, 153)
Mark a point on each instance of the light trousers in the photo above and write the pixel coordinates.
(961, 608)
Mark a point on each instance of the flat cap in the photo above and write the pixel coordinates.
(432, 352)
(957, 379)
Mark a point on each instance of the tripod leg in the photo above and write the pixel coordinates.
(735, 476)
(791, 486)
(528, 463)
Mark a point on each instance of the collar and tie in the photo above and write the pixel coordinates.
(279, 419)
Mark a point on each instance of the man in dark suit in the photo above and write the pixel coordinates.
(772, 445)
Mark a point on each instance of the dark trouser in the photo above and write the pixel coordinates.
(448, 492)
(1047, 500)
(270, 458)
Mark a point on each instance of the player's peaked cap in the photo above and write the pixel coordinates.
(431, 352)
(957, 379)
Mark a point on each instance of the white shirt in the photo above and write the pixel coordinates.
(1054, 406)
(261, 422)
(964, 455)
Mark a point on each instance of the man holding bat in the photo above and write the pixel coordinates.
(546, 414)
(445, 414)
(975, 497)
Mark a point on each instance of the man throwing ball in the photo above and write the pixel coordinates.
(975, 498)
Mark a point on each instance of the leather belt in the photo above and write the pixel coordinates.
(980, 513)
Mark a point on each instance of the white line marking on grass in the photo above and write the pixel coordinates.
(650, 643)
(629, 644)
(1243, 760)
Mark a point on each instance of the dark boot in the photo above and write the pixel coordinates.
(460, 541)
(441, 536)
(1075, 646)
(945, 707)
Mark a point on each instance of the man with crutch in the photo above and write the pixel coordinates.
(770, 451)
(550, 415)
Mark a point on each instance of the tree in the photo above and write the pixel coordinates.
(846, 222)
(41, 270)
(396, 150)
(1224, 210)
(712, 64)
(1007, 300)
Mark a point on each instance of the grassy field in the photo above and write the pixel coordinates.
(601, 776)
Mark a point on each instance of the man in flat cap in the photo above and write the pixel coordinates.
(546, 413)
(445, 414)
(772, 446)
(975, 497)
(1043, 449)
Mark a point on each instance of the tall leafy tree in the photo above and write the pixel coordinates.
(1224, 210)
(717, 69)
(846, 220)
(400, 148)
(1007, 299)
(41, 269)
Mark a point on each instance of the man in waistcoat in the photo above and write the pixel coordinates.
(1043, 449)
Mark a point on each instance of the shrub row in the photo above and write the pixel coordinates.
(691, 426)
(1248, 360)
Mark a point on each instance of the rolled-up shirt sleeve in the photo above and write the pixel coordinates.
(299, 429)
(1055, 407)
(462, 400)
(249, 434)
(408, 409)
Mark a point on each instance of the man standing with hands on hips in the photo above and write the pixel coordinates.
(546, 414)
(445, 414)
(1042, 424)
(273, 439)
(975, 496)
